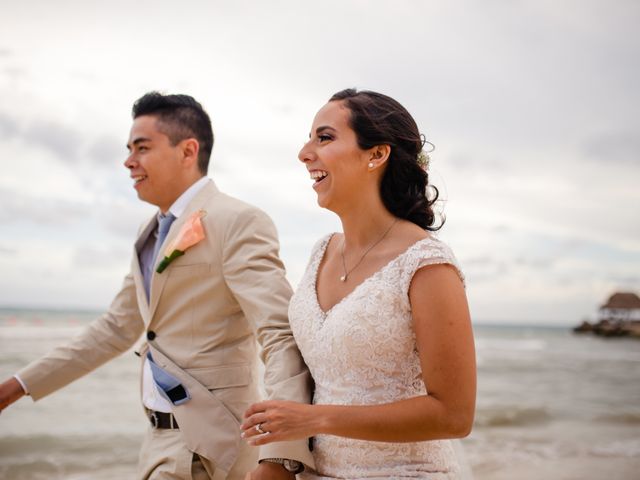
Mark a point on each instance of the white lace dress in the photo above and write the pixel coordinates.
(363, 352)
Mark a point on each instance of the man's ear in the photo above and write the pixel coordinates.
(378, 156)
(190, 149)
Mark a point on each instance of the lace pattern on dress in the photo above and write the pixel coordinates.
(363, 351)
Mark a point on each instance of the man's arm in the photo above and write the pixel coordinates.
(256, 276)
(111, 334)
(10, 392)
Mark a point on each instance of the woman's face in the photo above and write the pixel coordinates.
(336, 164)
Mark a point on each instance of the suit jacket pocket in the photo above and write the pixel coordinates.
(192, 270)
(223, 376)
(231, 384)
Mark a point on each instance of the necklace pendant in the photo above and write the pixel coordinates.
(343, 278)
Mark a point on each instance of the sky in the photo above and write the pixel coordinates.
(532, 105)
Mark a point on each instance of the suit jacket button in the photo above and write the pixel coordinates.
(151, 335)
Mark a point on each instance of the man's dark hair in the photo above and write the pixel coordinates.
(179, 117)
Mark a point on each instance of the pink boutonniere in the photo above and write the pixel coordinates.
(190, 234)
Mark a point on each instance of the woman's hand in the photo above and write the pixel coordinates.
(279, 420)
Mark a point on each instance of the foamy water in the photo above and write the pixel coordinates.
(550, 405)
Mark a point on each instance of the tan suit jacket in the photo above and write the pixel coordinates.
(204, 314)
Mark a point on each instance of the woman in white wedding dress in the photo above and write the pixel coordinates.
(380, 315)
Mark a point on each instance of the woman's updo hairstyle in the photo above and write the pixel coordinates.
(380, 120)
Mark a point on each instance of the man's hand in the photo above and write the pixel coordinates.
(10, 391)
(270, 471)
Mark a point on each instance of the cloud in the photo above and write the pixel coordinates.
(9, 127)
(105, 151)
(123, 219)
(525, 101)
(14, 73)
(19, 208)
(621, 147)
(485, 269)
(468, 163)
(9, 68)
(625, 280)
(67, 144)
(92, 258)
(60, 139)
(481, 261)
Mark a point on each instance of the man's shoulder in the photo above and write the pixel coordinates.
(225, 207)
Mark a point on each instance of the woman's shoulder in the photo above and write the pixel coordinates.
(430, 250)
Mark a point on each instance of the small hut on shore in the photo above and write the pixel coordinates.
(621, 307)
(618, 317)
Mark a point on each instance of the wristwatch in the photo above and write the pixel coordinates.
(292, 466)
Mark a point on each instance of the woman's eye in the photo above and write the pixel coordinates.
(324, 138)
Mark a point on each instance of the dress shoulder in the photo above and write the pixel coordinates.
(429, 251)
(317, 252)
(321, 244)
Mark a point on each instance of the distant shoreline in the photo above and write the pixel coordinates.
(610, 328)
(9, 309)
(13, 309)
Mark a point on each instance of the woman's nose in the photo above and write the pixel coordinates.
(304, 153)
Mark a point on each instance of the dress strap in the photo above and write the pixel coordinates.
(317, 252)
(430, 251)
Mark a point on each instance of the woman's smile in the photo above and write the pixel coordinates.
(318, 176)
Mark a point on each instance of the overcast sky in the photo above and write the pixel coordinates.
(533, 107)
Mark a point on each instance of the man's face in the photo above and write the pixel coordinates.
(156, 166)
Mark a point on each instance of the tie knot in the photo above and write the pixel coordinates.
(164, 223)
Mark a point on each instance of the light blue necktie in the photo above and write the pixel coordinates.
(168, 386)
(164, 224)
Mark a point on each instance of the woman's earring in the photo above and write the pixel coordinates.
(370, 165)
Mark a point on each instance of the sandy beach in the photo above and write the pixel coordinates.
(550, 405)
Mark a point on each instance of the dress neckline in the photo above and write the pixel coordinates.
(320, 256)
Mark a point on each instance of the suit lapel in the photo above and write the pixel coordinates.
(147, 230)
(158, 280)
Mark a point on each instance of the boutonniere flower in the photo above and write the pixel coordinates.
(190, 234)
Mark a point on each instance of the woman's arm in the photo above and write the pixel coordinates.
(447, 356)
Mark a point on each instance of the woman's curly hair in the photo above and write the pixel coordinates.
(380, 120)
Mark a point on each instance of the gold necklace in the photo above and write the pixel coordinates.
(344, 277)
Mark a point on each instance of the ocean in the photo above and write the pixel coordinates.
(551, 405)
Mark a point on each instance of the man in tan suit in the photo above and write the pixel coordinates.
(200, 316)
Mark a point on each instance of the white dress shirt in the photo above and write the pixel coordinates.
(151, 397)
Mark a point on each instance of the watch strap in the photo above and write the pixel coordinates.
(293, 466)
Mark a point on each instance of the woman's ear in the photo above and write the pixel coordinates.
(378, 156)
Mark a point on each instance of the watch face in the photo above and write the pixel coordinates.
(292, 466)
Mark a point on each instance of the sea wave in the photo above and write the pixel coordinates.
(512, 416)
(49, 457)
(502, 344)
(19, 445)
(625, 448)
(38, 332)
(625, 418)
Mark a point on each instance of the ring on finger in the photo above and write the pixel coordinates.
(259, 428)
